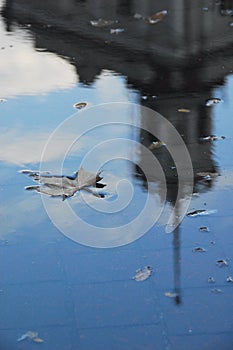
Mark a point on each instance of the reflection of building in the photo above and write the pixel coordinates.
(169, 55)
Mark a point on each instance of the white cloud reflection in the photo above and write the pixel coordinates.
(24, 71)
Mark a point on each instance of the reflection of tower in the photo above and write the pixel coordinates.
(191, 125)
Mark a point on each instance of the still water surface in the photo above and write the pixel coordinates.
(77, 296)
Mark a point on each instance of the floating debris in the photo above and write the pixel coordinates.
(28, 335)
(144, 97)
(213, 101)
(198, 249)
(221, 263)
(157, 17)
(66, 186)
(117, 31)
(138, 16)
(156, 144)
(2, 100)
(229, 279)
(204, 229)
(208, 176)
(231, 24)
(171, 294)
(212, 138)
(80, 105)
(183, 110)
(103, 22)
(37, 340)
(143, 274)
(201, 212)
(211, 280)
(216, 291)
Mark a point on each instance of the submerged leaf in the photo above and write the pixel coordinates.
(66, 186)
(143, 274)
(216, 291)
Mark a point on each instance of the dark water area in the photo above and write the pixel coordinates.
(67, 267)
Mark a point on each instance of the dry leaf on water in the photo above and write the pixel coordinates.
(65, 186)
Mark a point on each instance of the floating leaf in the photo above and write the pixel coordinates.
(66, 186)
(211, 280)
(212, 138)
(204, 229)
(229, 279)
(38, 340)
(157, 17)
(143, 274)
(201, 212)
(221, 263)
(103, 22)
(208, 176)
(117, 31)
(138, 16)
(171, 294)
(198, 249)
(213, 101)
(28, 335)
(156, 144)
(183, 110)
(80, 105)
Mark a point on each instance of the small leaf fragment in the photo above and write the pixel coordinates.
(183, 110)
(221, 263)
(229, 279)
(80, 105)
(38, 340)
(204, 229)
(117, 31)
(171, 294)
(213, 101)
(216, 291)
(199, 249)
(211, 280)
(200, 212)
(157, 17)
(143, 274)
(102, 22)
(156, 144)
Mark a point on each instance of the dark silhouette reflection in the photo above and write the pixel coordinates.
(180, 59)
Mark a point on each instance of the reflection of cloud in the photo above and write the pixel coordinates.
(24, 148)
(25, 71)
(23, 212)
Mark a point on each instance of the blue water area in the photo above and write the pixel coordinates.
(69, 265)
